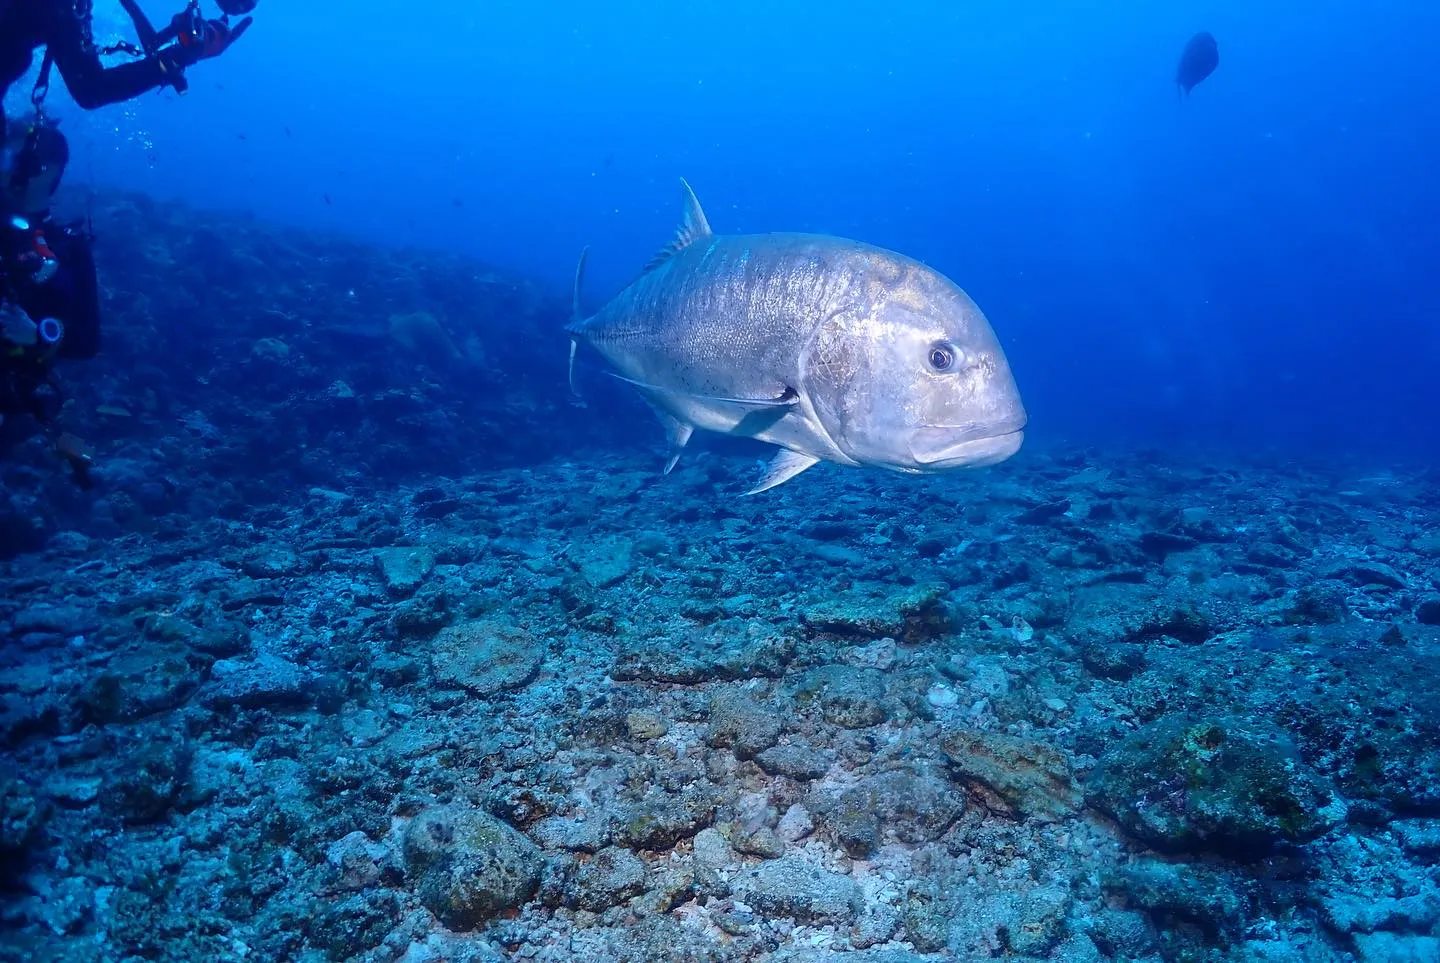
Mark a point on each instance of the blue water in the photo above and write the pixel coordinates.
(365, 640)
(1250, 268)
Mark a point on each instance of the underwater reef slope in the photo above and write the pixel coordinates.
(354, 673)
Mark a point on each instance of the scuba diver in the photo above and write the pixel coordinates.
(49, 296)
(62, 27)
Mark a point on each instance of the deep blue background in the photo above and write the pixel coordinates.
(1254, 267)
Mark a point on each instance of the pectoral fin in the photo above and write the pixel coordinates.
(787, 398)
(679, 435)
(784, 466)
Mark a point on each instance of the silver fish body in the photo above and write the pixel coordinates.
(832, 349)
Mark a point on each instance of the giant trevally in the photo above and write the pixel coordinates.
(832, 349)
(1197, 61)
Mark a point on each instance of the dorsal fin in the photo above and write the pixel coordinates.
(693, 227)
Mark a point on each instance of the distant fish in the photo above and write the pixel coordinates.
(832, 349)
(1197, 61)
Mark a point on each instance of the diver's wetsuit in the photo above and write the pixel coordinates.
(27, 25)
(70, 296)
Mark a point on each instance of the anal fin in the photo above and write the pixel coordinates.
(784, 466)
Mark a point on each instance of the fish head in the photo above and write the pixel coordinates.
(906, 373)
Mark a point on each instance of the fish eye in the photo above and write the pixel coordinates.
(943, 356)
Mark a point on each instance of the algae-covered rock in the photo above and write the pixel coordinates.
(660, 822)
(606, 560)
(724, 651)
(357, 862)
(585, 835)
(1030, 778)
(403, 568)
(22, 816)
(800, 890)
(346, 928)
(23, 716)
(267, 681)
(644, 725)
(1216, 902)
(1230, 785)
(796, 760)
(763, 842)
(469, 866)
(868, 955)
(1397, 948)
(136, 684)
(849, 697)
(1365, 573)
(270, 349)
(911, 613)
(45, 618)
(741, 724)
(912, 807)
(421, 333)
(274, 560)
(1117, 661)
(146, 782)
(607, 879)
(486, 657)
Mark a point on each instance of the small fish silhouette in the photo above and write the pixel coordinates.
(1197, 61)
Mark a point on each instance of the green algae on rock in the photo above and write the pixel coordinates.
(137, 684)
(403, 568)
(849, 697)
(910, 806)
(1238, 787)
(22, 817)
(605, 561)
(729, 650)
(470, 867)
(609, 878)
(1029, 778)
(1218, 903)
(659, 822)
(739, 723)
(874, 610)
(485, 657)
(795, 888)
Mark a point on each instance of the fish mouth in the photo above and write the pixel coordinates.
(941, 447)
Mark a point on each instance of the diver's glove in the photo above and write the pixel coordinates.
(198, 39)
(17, 327)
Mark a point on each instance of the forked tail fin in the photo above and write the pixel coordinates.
(576, 316)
